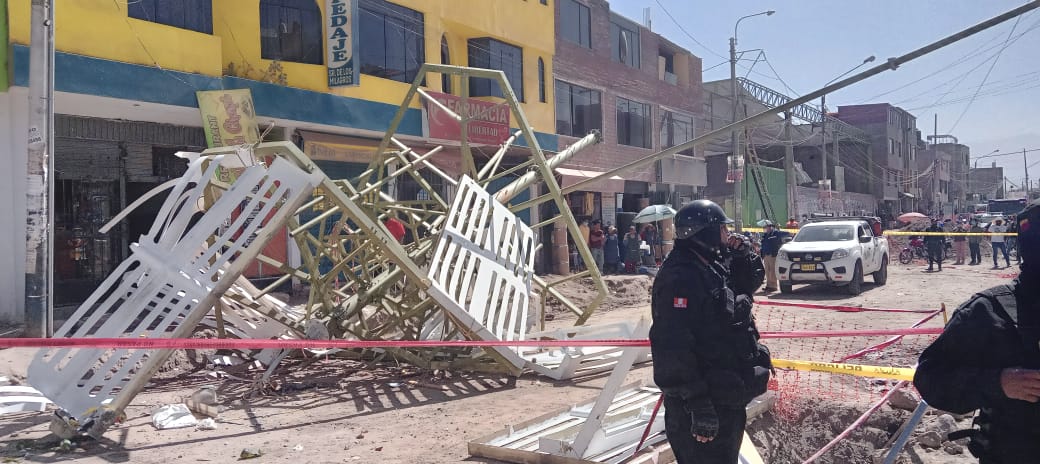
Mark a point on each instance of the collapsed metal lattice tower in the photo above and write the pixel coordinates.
(466, 272)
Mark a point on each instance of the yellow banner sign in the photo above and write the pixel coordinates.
(228, 117)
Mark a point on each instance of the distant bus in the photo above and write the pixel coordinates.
(1007, 206)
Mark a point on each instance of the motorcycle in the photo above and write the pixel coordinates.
(917, 249)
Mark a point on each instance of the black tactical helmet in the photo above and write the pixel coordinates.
(1029, 233)
(698, 216)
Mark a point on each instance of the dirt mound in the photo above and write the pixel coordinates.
(795, 439)
(624, 292)
(182, 362)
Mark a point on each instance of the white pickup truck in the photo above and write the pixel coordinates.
(837, 251)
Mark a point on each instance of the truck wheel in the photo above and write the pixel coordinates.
(855, 286)
(785, 288)
(881, 276)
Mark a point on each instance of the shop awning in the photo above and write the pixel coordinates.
(613, 184)
(906, 195)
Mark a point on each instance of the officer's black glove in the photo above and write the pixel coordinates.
(742, 305)
(739, 244)
(704, 419)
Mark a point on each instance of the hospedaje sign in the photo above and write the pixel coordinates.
(488, 124)
(341, 43)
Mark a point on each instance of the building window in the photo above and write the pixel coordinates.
(445, 59)
(393, 43)
(578, 110)
(541, 80)
(676, 129)
(633, 123)
(624, 44)
(666, 67)
(891, 147)
(194, 15)
(574, 23)
(291, 30)
(493, 54)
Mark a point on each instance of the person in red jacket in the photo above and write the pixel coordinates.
(596, 241)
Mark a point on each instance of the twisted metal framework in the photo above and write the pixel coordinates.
(366, 285)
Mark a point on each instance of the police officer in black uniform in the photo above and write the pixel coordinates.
(707, 359)
(934, 243)
(988, 358)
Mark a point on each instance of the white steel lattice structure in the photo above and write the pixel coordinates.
(177, 272)
(364, 284)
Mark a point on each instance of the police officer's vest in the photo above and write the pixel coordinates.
(1003, 299)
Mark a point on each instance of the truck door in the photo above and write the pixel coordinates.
(868, 250)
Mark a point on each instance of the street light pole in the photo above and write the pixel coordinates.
(738, 184)
(738, 209)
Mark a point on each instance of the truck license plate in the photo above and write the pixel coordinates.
(808, 267)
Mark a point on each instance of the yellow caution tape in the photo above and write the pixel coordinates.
(760, 230)
(879, 372)
(966, 234)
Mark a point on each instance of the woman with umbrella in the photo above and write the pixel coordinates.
(649, 215)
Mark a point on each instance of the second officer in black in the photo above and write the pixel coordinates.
(707, 359)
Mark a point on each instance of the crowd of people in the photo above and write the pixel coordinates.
(620, 254)
(967, 236)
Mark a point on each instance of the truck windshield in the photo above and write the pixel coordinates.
(823, 233)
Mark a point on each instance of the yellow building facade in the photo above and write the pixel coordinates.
(105, 29)
(127, 73)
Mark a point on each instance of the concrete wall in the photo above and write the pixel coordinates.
(14, 115)
(840, 203)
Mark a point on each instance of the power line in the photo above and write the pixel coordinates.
(964, 59)
(684, 31)
(986, 77)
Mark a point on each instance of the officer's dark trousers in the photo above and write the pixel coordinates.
(976, 252)
(935, 254)
(725, 448)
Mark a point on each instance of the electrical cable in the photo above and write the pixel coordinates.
(964, 59)
(986, 77)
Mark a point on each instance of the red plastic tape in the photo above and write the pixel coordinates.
(849, 309)
(240, 344)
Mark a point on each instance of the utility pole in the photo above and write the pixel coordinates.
(39, 232)
(738, 207)
(823, 138)
(1026, 167)
(837, 163)
(792, 186)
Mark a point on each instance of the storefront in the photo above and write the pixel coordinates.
(103, 165)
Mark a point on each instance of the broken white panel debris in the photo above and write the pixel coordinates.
(482, 267)
(20, 398)
(569, 362)
(174, 276)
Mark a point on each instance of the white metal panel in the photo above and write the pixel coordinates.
(184, 257)
(481, 270)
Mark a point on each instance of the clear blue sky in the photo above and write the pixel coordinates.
(810, 42)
